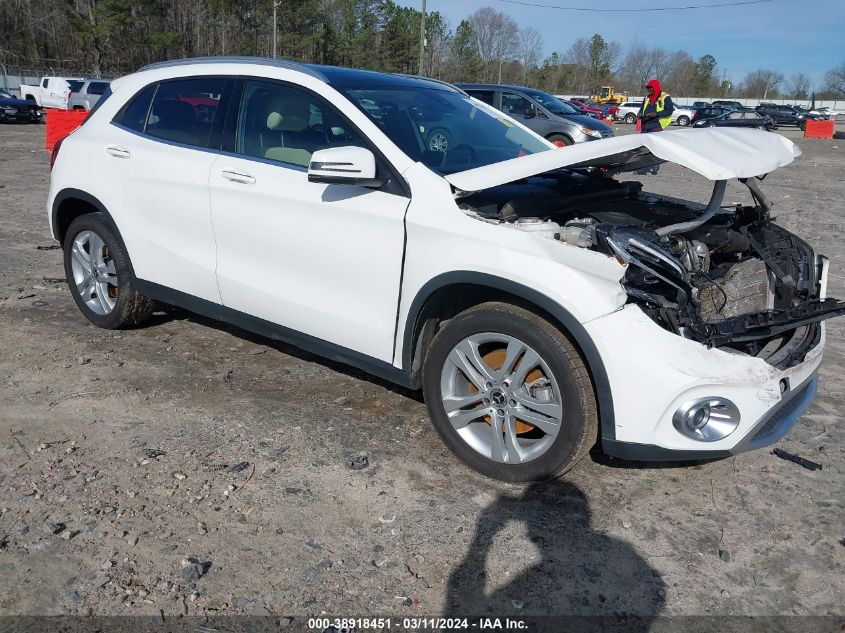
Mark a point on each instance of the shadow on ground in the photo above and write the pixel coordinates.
(580, 573)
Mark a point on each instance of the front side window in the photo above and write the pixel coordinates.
(183, 110)
(474, 134)
(285, 124)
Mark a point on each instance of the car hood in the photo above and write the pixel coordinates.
(584, 120)
(715, 153)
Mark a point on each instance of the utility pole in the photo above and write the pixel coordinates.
(275, 29)
(422, 41)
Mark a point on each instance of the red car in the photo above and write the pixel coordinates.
(587, 107)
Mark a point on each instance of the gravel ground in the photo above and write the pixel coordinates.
(190, 468)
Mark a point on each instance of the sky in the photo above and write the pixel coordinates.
(789, 36)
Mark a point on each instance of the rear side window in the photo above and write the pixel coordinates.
(482, 95)
(97, 87)
(134, 114)
(75, 85)
(183, 111)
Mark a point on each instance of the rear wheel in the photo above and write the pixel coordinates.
(99, 275)
(630, 118)
(561, 140)
(683, 121)
(509, 394)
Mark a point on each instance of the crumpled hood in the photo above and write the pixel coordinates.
(715, 153)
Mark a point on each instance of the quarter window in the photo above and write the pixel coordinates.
(134, 115)
(284, 124)
(183, 111)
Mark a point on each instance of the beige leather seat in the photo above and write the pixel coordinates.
(289, 115)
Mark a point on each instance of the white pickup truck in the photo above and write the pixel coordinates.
(51, 92)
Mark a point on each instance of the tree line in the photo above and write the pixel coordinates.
(119, 36)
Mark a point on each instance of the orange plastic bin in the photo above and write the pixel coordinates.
(819, 129)
(60, 123)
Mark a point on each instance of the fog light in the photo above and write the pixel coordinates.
(706, 419)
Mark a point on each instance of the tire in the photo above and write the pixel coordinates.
(683, 121)
(630, 118)
(111, 300)
(439, 140)
(556, 381)
(803, 125)
(561, 140)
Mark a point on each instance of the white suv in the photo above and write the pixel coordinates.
(539, 303)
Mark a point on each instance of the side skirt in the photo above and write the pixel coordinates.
(247, 322)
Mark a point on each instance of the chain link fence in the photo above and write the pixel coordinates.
(12, 77)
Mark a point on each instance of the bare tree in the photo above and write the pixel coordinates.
(496, 37)
(640, 63)
(835, 80)
(759, 83)
(799, 86)
(530, 48)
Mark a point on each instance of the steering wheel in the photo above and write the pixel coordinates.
(473, 154)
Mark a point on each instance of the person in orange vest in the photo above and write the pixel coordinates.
(656, 112)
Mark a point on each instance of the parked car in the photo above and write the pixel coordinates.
(88, 94)
(736, 105)
(682, 115)
(14, 109)
(581, 109)
(628, 111)
(51, 92)
(537, 301)
(785, 114)
(593, 106)
(710, 112)
(550, 117)
(738, 118)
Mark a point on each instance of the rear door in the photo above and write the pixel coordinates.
(160, 148)
(322, 260)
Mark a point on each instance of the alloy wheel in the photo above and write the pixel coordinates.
(501, 398)
(94, 272)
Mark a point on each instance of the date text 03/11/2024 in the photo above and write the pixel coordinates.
(338, 625)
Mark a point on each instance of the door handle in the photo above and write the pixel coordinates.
(117, 152)
(236, 176)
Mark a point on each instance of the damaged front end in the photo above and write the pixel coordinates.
(724, 276)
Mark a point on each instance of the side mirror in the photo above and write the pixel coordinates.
(344, 166)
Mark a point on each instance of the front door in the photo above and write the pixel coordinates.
(323, 260)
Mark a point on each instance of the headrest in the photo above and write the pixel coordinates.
(289, 113)
(173, 111)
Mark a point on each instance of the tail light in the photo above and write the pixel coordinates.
(54, 153)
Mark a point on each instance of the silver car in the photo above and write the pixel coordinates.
(88, 95)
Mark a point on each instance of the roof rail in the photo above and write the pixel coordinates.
(238, 59)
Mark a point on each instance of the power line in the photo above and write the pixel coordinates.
(643, 10)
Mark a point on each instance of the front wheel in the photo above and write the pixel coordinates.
(683, 121)
(509, 394)
(100, 276)
(560, 140)
(630, 119)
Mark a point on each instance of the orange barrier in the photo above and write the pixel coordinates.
(60, 123)
(639, 125)
(607, 121)
(819, 129)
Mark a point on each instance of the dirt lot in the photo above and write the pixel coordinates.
(118, 450)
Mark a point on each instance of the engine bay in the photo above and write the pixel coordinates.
(725, 276)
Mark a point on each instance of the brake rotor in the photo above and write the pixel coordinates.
(495, 360)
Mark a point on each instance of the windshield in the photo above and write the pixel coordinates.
(552, 104)
(5, 95)
(445, 130)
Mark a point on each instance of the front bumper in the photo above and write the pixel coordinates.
(653, 372)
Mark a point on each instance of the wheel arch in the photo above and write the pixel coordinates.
(69, 204)
(450, 293)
